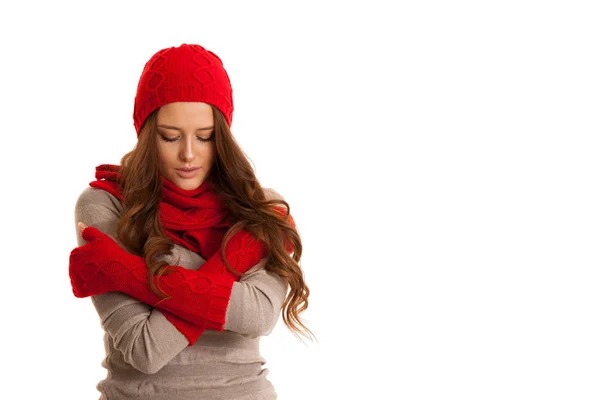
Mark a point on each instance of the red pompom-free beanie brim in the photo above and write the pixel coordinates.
(185, 73)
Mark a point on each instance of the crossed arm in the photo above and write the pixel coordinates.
(147, 339)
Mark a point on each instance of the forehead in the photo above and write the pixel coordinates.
(184, 114)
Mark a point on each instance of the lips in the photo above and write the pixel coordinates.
(187, 173)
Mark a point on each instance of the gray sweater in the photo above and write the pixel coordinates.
(148, 358)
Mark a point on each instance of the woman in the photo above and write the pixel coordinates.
(188, 260)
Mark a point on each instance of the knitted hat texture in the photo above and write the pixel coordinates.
(185, 73)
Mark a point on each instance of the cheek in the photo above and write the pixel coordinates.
(208, 154)
(164, 156)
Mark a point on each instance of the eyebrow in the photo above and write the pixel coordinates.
(181, 130)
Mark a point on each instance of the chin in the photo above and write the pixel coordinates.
(187, 184)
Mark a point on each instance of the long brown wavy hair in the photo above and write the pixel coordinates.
(236, 184)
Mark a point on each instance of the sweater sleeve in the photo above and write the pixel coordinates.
(256, 302)
(146, 338)
(257, 299)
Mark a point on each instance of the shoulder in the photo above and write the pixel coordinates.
(92, 197)
(97, 208)
(271, 194)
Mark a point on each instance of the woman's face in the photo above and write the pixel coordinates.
(186, 143)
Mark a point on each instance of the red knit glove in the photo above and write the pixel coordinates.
(101, 266)
(191, 331)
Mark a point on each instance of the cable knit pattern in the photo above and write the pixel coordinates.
(196, 219)
(200, 297)
(185, 73)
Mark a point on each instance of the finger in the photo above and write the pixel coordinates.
(91, 233)
(81, 226)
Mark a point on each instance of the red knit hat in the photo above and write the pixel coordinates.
(185, 73)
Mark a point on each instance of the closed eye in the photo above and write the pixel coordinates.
(171, 140)
(166, 139)
(205, 140)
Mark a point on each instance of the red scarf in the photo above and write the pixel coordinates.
(196, 219)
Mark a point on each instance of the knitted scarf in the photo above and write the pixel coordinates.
(196, 219)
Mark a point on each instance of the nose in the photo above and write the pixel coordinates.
(186, 152)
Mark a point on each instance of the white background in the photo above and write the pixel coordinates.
(440, 159)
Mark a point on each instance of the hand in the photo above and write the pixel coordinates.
(190, 330)
(95, 262)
